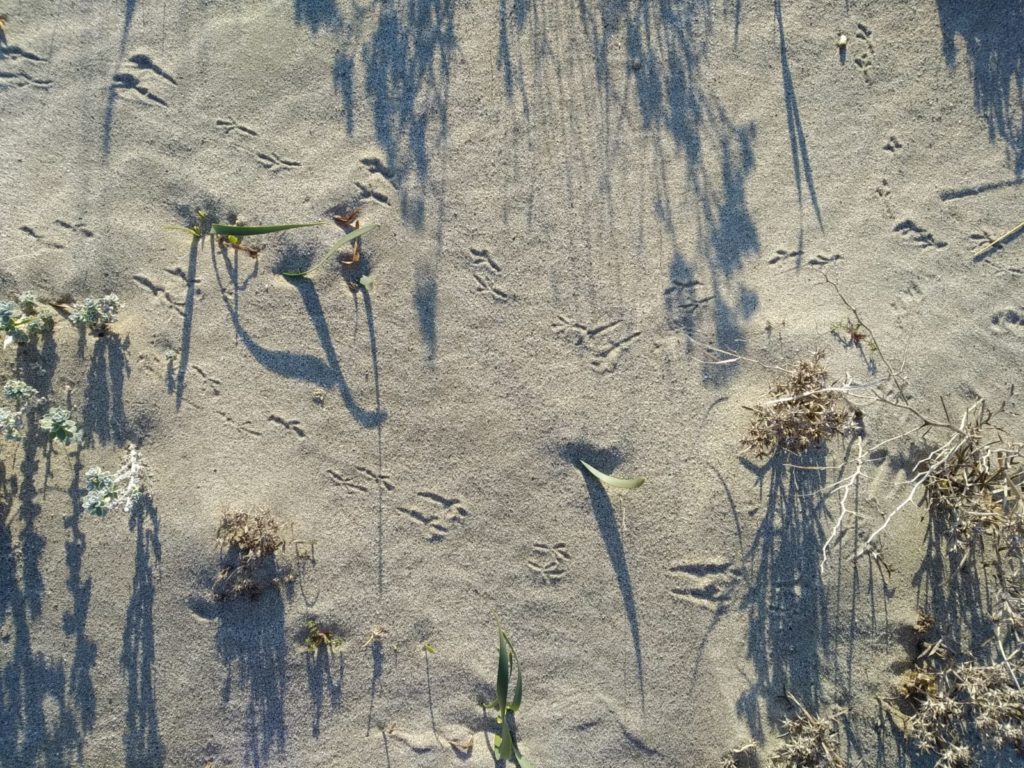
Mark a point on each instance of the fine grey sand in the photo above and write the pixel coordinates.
(573, 198)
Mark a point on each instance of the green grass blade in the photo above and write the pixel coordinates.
(517, 693)
(614, 482)
(231, 229)
(517, 755)
(506, 744)
(338, 245)
(501, 687)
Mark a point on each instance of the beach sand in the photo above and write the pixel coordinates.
(573, 198)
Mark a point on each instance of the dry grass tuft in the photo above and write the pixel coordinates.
(809, 741)
(249, 542)
(803, 412)
(254, 535)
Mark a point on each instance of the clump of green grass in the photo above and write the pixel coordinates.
(505, 744)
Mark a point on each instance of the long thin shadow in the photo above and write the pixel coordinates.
(371, 331)
(296, 365)
(317, 13)
(104, 417)
(377, 652)
(186, 324)
(787, 583)
(142, 743)
(38, 723)
(797, 140)
(425, 298)
(74, 620)
(321, 681)
(251, 642)
(108, 111)
(604, 514)
(990, 36)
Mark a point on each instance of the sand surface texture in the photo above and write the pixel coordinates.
(572, 200)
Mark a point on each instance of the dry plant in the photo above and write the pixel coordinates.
(954, 709)
(803, 413)
(808, 741)
(249, 541)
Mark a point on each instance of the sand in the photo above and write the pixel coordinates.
(566, 194)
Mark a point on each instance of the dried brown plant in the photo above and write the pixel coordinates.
(803, 412)
(809, 741)
(249, 541)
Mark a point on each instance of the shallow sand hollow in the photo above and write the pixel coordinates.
(572, 197)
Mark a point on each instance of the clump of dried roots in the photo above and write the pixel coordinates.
(803, 412)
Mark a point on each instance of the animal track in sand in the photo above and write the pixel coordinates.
(682, 301)
(706, 584)
(362, 485)
(884, 193)
(375, 166)
(1008, 321)
(10, 78)
(605, 342)
(229, 126)
(865, 60)
(175, 303)
(783, 256)
(481, 257)
(437, 524)
(918, 235)
(369, 195)
(244, 426)
(485, 270)
(53, 242)
(292, 425)
(275, 163)
(143, 81)
(549, 562)
(22, 80)
(893, 145)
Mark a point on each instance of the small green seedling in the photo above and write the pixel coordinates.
(354, 235)
(60, 427)
(96, 315)
(24, 320)
(614, 482)
(428, 647)
(318, 638)
(505, 744)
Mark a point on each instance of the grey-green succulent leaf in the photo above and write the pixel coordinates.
(626, 484)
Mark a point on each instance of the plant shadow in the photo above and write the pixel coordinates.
(251, 643)
(325, 372)
(786, 602)
(103, 416)
(142, 743)
(604, 514)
